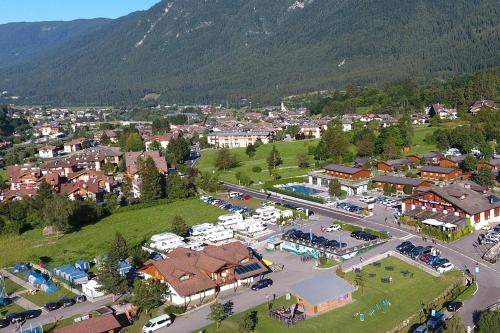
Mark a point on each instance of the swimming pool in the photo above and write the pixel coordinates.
(302, 189)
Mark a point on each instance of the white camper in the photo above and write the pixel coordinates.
(221, 235)
(227, 220)
(166, 241)
(210, 231)
(250, 225)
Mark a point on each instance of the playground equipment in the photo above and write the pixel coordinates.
(382, 306)
(4, 300)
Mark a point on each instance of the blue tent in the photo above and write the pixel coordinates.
(71, 274)
(124, 267)
(82, 265)
(35, 278)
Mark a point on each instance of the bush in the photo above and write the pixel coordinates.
(350, 227)
(256, 169)
(175, 309)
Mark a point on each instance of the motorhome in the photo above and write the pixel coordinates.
(220, 235)
(250, 225)
(166, 241)
(200, 229)
(270, 216)
(210, 231)
(227, 220)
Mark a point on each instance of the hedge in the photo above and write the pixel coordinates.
(350, 227)
(270, 184)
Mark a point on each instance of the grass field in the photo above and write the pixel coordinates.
(419, 134)
(92, 240)
(288, 152)
(406, 294)
(41, 298)
(8, 309)
(11, 287)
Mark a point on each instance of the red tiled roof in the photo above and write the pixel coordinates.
(100, 324)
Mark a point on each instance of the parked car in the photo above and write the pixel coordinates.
(424, 258)
(403, 245)
(407, 249)
(261, 284)
(454, 306)
(432, 260)
(446, 267)
(16, 317)
(439, 262)
(367, 199)
(4, 322)
(421, 329)
(30, 314)
(157, 323)
(356, 233)
(51, 306)
(333, 227)
(66, 302)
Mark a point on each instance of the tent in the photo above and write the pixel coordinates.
(91, 289)
(71, 274)
(82, 265)
(124, 267)
(48, 287)
(36, 279)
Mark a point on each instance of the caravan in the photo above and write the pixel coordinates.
(166, 241)
(229, 220)
(220, 235)
(200, 229)
(208, 232)
(250, 225)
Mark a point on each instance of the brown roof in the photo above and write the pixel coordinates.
(131, 160)
(342, 169)
(437, 169)
(100, 324)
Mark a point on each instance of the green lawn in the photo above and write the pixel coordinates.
(419, 134)
(8, 309)
(41, 298)
(406, 294)
(11, 287)
(135, 225)
(288, 152)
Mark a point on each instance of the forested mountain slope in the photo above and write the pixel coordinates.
(214, 50)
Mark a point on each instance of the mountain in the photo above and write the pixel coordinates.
(25, 41)
(216, 50)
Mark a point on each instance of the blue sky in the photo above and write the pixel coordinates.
(56, 10)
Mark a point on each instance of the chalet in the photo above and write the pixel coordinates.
(112, 136)
(131, 161)
(23, 176)
(163, 140)
(345, 172)
(346, 125)
(493, 164)
(76, 144)
(192, 276)
(452, 161)
(394, 165)
(48, 151)
(482, 105)
(99, 324)
(400, 182)
(439, 173)
(11, 195)
(82, 190)
(442, 111)
(456, 200)
(104, 181)
(429, 158)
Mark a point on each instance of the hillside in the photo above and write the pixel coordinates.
(214, 50)
(25, 41)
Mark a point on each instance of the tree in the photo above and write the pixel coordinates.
(105, 140)
(293, 131)
(274, 159)
(486, 151)
(248, 322)
(365, 142)
(489, 322)
(45, 191)
(250, 150)
(179, 150)
(470, 163)
(149, 294)
(152, 181)
(334, 188)
(118, 248)
(57, 213)
(110, 279)
(406, 129)
(455, 325)
(484, 177)
(258, 143)
(109, 167)
(160, 126)
(155, 145)
(359, 280)
(217, 314)
(387, 189)
(179, 226)
(134, 142)
(243, 178)
(224, 159)
(408, 189)
(111, 201)
(302, 160)
(180, 188)
(127, 188)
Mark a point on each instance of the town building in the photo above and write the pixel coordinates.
(442, 112)
(433, 172)
(493, 164)
(400, 182)
(353, 181)
(99, 324)
(236, 139)
(482, 105)
(394, 165)
(345, 172)
(47, 151)
(131, 161)
(192, 276)
(429, 158)
(111, 134)
(76, 145)
(452, 161)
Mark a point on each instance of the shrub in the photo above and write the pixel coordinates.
(256, 169)
(175, 309)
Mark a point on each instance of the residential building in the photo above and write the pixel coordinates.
(452, 161)
(493, 164)
(192, 276)
(429, 158)
(482, 105)
(348, 173)
(111, 134)
(442, 111)
(163, 140)
(400, 182)
(99, 324)
(352, 180)
(76, 144)
(131, 161)
(393, 165)
(48, 151)
(236, 139)
(439, 173)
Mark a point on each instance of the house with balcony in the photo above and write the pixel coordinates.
(237, 138)
(432, 172)
(352, 180)
(192, 276)
(400, 182)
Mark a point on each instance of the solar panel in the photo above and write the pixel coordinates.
(247, 268)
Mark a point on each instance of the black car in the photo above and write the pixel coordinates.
(65, 302)
(454, 306)
(261, 284)
(416, 251)
(16, 317)
(51, 306)
(402, 245)
(407, 249)
(4, 322)
(355, 234)
(30, 314)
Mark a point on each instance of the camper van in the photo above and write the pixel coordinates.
(210, 231)
(200, 229)
(227, 220)
(250, 225)
(220, 235)
(166, 241)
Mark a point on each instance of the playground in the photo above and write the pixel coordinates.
(387, 294)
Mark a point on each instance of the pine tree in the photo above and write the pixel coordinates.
(179, 226)
(149, 294)
(224, 159)
(152, 182)
(110, 279)
(274, 159)
(119, 248)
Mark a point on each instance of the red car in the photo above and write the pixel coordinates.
(246, 197)
(425, 257)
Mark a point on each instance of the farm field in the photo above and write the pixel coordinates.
(405, 294)
(93, 240)
(287, 150)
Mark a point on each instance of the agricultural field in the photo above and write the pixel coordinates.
(287, 150)
(405, 294)
(93, 240)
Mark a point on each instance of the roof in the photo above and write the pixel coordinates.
(437, 169)
(322, 288)
(399, 180)
(342, 168)
(398, 162)
(131, 160)
(100, 324)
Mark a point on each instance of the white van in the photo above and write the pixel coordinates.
(157, 323)
(200, 229)
(221, 235)
(227, 220)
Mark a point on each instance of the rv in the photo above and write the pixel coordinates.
(210, 231)
(250, 225)
(166, 241)
(227, 220)
(220, 235)
(200, 229)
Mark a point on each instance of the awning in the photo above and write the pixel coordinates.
(433, 222)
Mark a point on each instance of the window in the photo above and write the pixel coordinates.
(184, 277)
